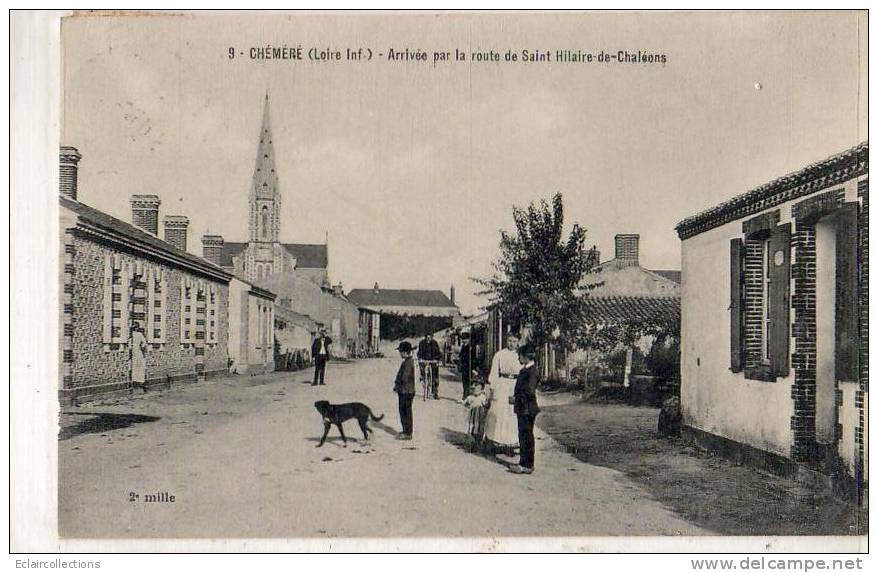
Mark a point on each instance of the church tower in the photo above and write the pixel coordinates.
(264, 255)
(264, 192)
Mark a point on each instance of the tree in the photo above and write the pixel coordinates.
(537, 275)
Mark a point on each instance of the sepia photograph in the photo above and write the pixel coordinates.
(464, 276)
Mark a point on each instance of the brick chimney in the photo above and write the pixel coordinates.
(451, 294)
(338, 290)
(594, 254)
(628, 248)
(68, 173)
(212, 248)
(145, 212)
(176, 227)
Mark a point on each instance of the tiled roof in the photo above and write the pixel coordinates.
(294, 317)
(399, 297)
(307, 256)
(813, 178)
(625, 308)
(139, 239)
(231, 250)
(675, 276)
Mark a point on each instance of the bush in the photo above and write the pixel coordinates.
(663, 360)
(397, 326)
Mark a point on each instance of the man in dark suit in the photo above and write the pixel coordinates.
(524, 401)
(320, 353)
(404, 386)
(429, 356)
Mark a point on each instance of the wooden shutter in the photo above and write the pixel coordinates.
(108, 300)
(846, 294)
(736, 303)
(150, 306)
(779, 300)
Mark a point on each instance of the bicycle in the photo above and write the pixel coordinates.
(427, 377)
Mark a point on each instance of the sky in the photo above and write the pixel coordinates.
(413, 168)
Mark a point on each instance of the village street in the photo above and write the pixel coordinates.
(238, 454)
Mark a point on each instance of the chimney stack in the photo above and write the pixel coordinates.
(68, 171)
(145, 212)
(451, 293)
(628, 248)
(176, 227)
(212, 248)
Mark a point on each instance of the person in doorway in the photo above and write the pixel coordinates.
(320, 353)
(404, 386)
(500, 424)
(524, 402)
(138, 357)
(429, 356)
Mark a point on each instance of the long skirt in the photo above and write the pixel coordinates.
(501, 424)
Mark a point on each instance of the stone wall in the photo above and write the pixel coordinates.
(95, 366)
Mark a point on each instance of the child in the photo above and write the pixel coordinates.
(477, 403)
(404, 386)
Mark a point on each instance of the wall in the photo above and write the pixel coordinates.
(629, 280)
(307, 298)
(761, 414)
(93, 365)
(713, 398)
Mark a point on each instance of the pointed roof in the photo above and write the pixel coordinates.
(264, 175)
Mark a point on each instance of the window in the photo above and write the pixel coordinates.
(264, 221)
(760, 299)
(116, 301)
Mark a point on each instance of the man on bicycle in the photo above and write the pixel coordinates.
(429, 355)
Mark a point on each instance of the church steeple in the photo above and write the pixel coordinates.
(264, 192)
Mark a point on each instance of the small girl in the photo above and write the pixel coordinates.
(477, 403)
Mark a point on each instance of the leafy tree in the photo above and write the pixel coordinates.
(537, 275)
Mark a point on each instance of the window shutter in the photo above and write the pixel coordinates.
(846, 295)
(162, 323)
(108, 300)
(183, 314)
(779, 300)
(150, 306)
(126, 302)
(736, 304)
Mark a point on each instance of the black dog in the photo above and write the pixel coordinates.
(338, 414)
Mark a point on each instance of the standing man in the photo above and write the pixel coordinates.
(465, 365)
(320, 353)
(404, 386)
(429, 355)
(524, 401)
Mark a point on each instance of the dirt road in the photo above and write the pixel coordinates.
(238, 454)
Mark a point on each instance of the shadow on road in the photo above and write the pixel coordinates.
(463, 441)
(99, 422)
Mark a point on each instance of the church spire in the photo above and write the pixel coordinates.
(264, 192)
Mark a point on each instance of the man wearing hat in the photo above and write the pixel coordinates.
(404, 386)
(320, 352)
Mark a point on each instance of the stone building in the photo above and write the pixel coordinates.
(406, 302)
(114, 275)
(621, 291)
(775, 322)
